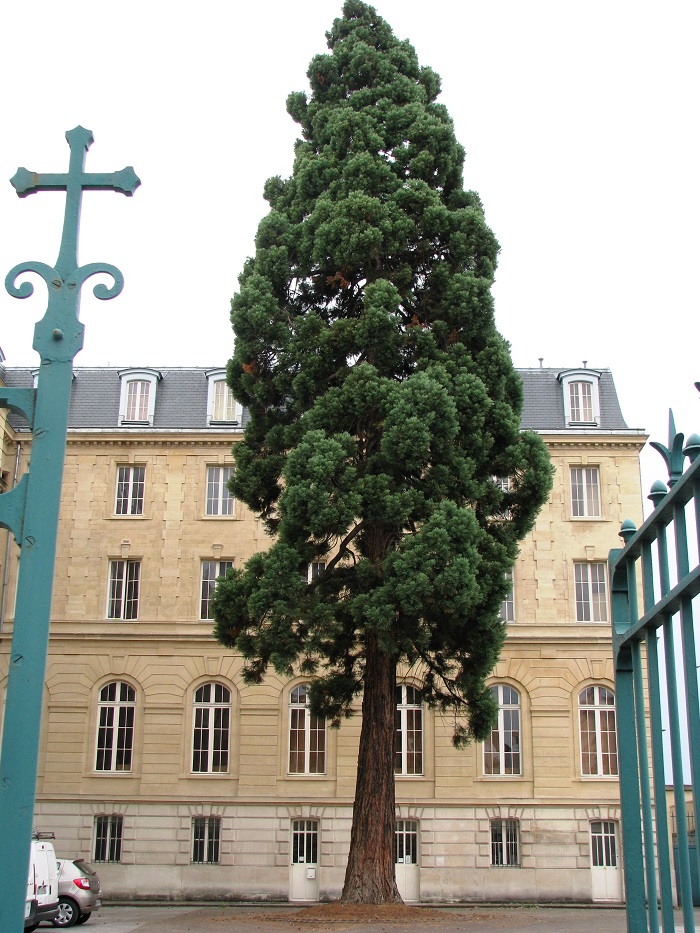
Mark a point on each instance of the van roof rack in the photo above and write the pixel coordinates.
(43, 835)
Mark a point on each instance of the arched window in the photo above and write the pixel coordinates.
(307, 735)
(408, 750)
(581, 396)
(115, 730)
(211, 729)
(137, 400)
(222, 407)
(597, 728)
(502, 749)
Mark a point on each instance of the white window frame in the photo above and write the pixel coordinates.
(219, 568)
(502, 752)
(222, 503)
(305, 839)
(591, 591)
(585, 491)
(314, 570)
(409, 731)
(308, 745)
(211, 729)
(576, 378)
(508, 604)
(131, 482)
(604, 844)
(505, 843)
(233, 411)
(143, 376)
(116, 721)
(124, 588)
(597, 722)
(110, 841)
(206, 839)
(406, 839)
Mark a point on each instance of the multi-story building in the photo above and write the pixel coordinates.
(158, 762)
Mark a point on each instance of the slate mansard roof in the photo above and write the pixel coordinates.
(181, 400)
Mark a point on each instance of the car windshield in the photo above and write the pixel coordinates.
(83, 866)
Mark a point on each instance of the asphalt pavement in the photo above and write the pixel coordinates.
(141, 918)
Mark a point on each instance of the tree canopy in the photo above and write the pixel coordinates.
(383, 401)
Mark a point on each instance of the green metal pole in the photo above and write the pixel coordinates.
(674, 729)
(629, 797)
(642, 753)
(630, 803)
(690, 666)
(657, 750)
(31, 510)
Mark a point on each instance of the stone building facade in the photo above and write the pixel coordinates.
(158, 763)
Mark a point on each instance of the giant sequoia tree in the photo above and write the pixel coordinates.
(383, 404)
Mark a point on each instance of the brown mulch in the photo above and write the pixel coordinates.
(335, 912)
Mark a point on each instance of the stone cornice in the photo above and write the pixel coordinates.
(208, 437)
(122, 440)
(633, 442)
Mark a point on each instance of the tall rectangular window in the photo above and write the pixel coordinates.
(130, 486)
(108, 838)
(598, 731)
(585, 492)
(206, 835)
(219, 499)
(508, 604)
(124, 577)
(211, 729)
(408, 743)
(502, 749)
(504, 844)
(115, 728)
(137, 395)
(581, 402)
(211, 571)
(591, 594)
(224, 403)
(307, 735)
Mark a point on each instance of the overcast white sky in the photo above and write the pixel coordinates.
(580, 125)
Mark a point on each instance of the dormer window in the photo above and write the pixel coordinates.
(222, 407)
(137, 401)
(581, 398)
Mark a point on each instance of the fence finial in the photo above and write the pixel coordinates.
(673, 454)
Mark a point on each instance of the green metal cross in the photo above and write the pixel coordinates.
(30, 511)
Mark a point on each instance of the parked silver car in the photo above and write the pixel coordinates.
(78, 892)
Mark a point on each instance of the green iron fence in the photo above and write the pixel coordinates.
(656, 674)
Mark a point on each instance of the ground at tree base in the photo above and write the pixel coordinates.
(335, 911)
(391, 918)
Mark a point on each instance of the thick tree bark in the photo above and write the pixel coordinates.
(370, 875)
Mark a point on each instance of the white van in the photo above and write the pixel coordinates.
(42, 884)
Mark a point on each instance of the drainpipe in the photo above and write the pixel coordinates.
(6, 568)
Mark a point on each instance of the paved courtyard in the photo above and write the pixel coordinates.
(280, 919)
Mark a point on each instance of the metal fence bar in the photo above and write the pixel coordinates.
(645, 784)
(663, 850)
(630, 802)
(686, 891)
(649, 852)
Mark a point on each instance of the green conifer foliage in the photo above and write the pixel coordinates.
(383, 403)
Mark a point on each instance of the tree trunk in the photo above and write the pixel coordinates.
(370, 875)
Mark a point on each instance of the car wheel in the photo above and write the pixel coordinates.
(68, 913)
(31, 929)
(83, 918)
